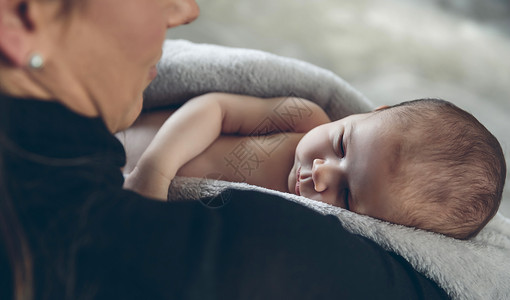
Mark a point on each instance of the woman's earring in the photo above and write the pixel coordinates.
(36, 61)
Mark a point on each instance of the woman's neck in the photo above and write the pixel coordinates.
(16, 83)
(23, 83)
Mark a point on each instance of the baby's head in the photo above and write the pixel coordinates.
(452, 169)
(424, 163)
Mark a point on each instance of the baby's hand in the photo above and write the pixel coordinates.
(148, 184)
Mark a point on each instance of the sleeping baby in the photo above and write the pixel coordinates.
(423, 163)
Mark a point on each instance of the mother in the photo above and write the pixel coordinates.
(72, 74)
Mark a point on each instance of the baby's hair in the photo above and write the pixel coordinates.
(452, 169)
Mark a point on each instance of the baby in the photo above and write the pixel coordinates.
(424, 163)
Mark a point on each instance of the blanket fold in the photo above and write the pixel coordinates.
(195, 69)
(475, 269)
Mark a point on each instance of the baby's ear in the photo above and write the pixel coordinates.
(382, 107)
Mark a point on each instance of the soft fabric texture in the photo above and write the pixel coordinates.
(474, 269)
(195, 69)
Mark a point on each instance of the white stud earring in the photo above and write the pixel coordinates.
(36, 61)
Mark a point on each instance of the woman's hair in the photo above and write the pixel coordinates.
(13, 239)
(12, 235)
(452, 169)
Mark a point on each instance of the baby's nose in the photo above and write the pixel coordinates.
(319, 173)
(327, 175)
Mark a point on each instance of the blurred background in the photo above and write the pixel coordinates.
(390, 50)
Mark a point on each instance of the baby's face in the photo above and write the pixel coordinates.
(346, 163)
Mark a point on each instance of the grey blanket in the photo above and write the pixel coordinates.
(474, 269)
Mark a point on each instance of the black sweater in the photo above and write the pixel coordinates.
(89, 238)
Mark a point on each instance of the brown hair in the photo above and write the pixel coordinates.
(12, 235)
(453, 169)
(14, 240)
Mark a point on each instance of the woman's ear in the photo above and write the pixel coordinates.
(15, 31)
(382, 107)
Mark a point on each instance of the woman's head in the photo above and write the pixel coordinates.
(99, 55)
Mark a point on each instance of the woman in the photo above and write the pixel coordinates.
(72, 73)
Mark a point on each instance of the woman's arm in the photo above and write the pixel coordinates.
(199, 122)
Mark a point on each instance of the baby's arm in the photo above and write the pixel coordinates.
(184, 135)
(196, 125)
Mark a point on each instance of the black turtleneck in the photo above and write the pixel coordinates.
(56, 165)
(89, 238)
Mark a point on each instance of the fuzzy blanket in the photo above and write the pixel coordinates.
(474, 269)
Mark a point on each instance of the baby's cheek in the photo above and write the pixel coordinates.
(330, 199)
